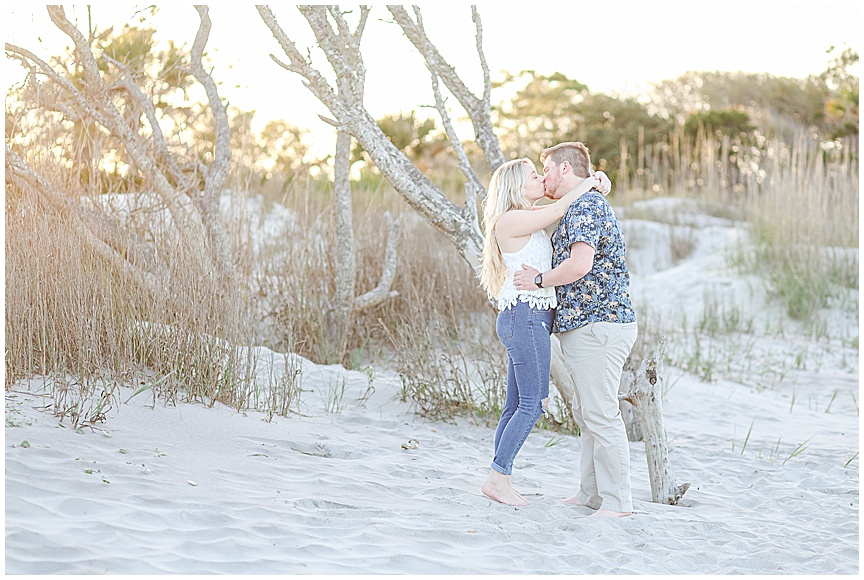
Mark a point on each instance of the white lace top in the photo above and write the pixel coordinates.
(537, 253)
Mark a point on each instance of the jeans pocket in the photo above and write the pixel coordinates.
(505, 323)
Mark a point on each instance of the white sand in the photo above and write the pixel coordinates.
(336, 493)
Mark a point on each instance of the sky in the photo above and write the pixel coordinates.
(614, 47)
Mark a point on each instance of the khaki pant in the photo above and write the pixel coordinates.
(595, 355)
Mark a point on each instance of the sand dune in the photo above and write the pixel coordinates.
(190, 490)
(197, 490)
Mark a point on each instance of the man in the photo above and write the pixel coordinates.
(595, 323)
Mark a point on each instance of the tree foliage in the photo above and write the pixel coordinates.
(841, 107)
(541, 111)
(550, 109)
(826, 103)
(719, 123)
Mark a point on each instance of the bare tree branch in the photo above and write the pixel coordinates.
(352, 117)
(361, 26)
(382, 291)
(317, 84)
(149, 153)
(487, 81)
(478, 109)
(150, 112)
(208, 201)
(341, 51)
(113, 120)
(473, 186)
(343, 301)
(86, 105)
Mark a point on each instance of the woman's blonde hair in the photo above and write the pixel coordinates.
(506, 192)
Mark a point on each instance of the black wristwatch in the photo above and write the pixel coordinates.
(538, 279)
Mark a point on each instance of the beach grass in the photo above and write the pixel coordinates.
(75, 318)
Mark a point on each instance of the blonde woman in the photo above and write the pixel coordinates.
(514, 238)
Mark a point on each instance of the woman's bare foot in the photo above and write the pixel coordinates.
(519, 495)
(610, 514)
(497, 487)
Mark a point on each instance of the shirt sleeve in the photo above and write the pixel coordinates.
(582, 223)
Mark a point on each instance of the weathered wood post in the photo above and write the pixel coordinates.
(628, 411)
(645, 396)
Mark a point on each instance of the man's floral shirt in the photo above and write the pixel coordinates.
(603, 294)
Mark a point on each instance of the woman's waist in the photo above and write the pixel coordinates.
(510, 288)
(542, 297)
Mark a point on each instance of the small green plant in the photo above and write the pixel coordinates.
(361, 400)
(699, 361)
(798, 450)
(845, 465)
(284, 390)
(775, 449)
(448, 371)
(831, 402)
(800, 361)
(719, 318)
(747, 438)
(682, 241)
(335, 393)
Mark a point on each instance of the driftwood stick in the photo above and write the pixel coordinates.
(645, 396)
(628, 411)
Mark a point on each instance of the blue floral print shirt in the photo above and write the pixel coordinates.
(603, 294)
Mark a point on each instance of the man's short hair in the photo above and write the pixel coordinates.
(573, 152)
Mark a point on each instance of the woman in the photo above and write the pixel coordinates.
(514, 236)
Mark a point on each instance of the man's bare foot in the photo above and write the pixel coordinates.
(574, 501)
(497, 487)
(610, 514)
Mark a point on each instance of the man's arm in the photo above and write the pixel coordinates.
(573, 268)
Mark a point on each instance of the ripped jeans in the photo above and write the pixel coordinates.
(525, 333)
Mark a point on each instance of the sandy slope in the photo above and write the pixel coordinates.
(191, 489)
(338, 494)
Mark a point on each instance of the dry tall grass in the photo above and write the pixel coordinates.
(73, 318)
(805, 226)
(800, 199)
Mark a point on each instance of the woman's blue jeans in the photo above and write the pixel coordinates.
(525, 333)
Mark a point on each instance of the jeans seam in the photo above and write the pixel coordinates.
(534, 345)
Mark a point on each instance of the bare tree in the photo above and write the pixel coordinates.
(345, 304)
(115, 102)
(351, 116)
(459, 224)
(340, 309)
